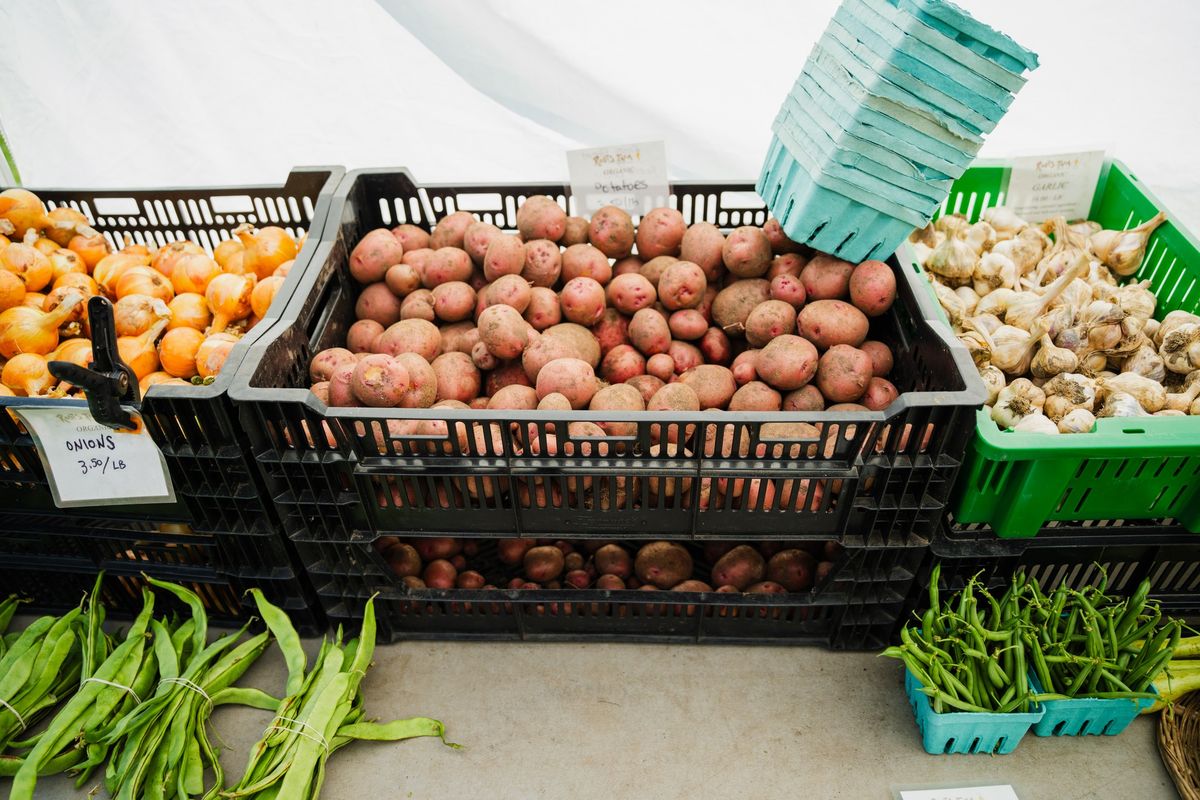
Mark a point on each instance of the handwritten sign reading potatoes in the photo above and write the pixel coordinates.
(628, 176)
(88, 463)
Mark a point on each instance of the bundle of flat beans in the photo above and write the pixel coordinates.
(39, 668)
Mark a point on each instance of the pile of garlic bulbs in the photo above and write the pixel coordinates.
(1057, 339)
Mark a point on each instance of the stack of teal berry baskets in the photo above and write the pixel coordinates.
(892, 106)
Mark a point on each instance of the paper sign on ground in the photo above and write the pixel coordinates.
(997, 792)
(1041, 187)
(629, 176)
(88, 463)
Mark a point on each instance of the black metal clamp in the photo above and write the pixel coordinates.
(108, 382)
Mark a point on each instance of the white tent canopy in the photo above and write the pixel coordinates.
(174, 93)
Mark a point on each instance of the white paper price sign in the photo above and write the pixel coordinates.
(628, 176)
(88, 463)
(1041, 187)
(996, 792)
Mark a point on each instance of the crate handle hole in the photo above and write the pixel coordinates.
(1133, 430)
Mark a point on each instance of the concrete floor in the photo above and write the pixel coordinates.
(616, 721)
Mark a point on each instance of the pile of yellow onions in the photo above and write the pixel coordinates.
(178, 310)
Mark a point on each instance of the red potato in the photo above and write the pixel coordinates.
(879, 394)
(648, 386)
(755, 396)
(806, 398)
(740, 567)
(514, 396)
(512, 551)
(881, 357)
(582, 301)
(706, 303)
(685, 356)
(325, 362)
(780, 243)
(702, 244)
(765, 587)
(649, 332)
(453, 301)
(653, 269)
(413, 582)
(826, 277)
(470, 580)
(509, 290)
(661, 366)
(733, 304)
(582, 341)
(747, 252)
(576, 232)
(786, 363)
(611, 331)
(506, 375)
(543, 263)
(445, 265)
(585, 261)
(626, 265)
(374, 253)
(411, 336)
(660, 233)
(505, 255)
(571, 377)
(829, 322)
(681, 285)
(618, 397)
(403, 560)
(612, 559)
(743, 367)
(539, 217)
(435, 547)
(503, 331)
(418, 305)
(418, 259)
(663, 564)
(457, 377)
(341, 393)
(459, 337)
(321, 390)
(422, 382)
(554, 401)
(716, 347)
(482, 359)
(411, 237)
(377, 302)
(873, 287)
(577, 578)
(786, 264)
(477, 237)
(610, 583)
(403, 279)
(611, 232)
(630, 293)
(792, 569)
(440, 574)
(768, 321)
(379, 381)
(687, 324)
(543, 349)
(451, 230)
(714, 385)
(622, 363)
(543, 309)
(676, 397)
(843, 373)
(789, 289)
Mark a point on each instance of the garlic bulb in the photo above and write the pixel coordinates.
(1182, 401)
(1137, 299)
(1171, 321)
(1004, 221)
(993, 381)
(1120, 404)
(1076, 295)
(951, 302)
(1029, 306)
(1050, 360)
(1180, 349)
(1078, 421)
(1056, 320)
(1016, 401)
(1150, 395)
(922, 252)
(981, 236)
(928, 236)
(1063, 256)
(1169, 412)
(1102, 321)
(1012, 349)
(995, 302)
(988, 323)
(1122, 251)
(994, 271)
(1057, 406)
(951, 224)
(953, 261)
(1084, 227)
(1024, 253)
(968, 296)
(1150, 329)
(978, 347)
(1036, 239)
(1146, 362)
(1078, 390)
(1036, 423)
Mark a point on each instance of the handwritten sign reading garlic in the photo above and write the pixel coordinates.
(88, 463)
(1041, 187)
(629, 176)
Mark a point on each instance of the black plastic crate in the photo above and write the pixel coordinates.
(857, 606)
(872, 478)
(1077, 554)
(219, 489)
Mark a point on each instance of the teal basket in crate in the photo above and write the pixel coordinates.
(1086, 716)
(1128, 468)
(967, 732)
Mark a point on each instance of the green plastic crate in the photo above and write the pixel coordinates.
(1130, 468)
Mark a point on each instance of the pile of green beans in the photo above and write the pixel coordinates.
(975, 652)
(7, 608)
(322, 712)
